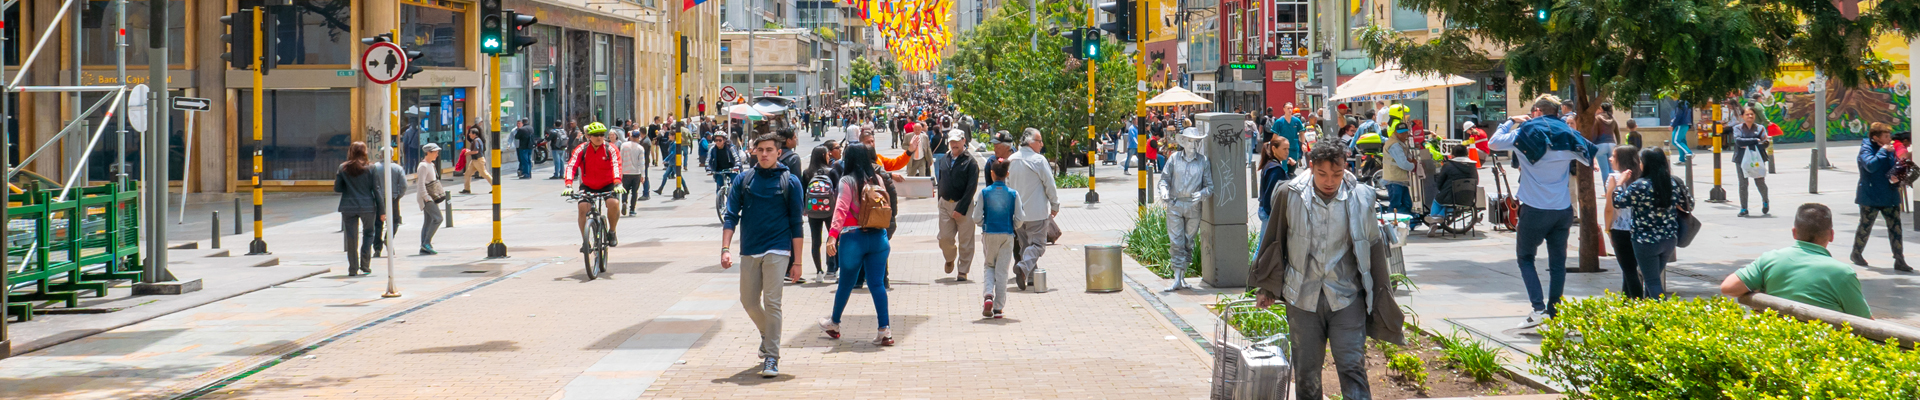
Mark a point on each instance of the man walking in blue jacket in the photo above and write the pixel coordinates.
(768, 201)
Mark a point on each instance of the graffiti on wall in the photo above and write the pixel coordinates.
(1850, 110)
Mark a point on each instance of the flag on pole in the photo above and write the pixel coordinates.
(689, 4)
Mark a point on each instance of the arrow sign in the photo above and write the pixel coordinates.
(383, 63)
(192, 104)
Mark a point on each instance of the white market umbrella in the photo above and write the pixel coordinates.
(746, 112)
(856, 103)
(1388, 82)
(1177, 96)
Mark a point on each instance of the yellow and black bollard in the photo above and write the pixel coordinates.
(1719, 193)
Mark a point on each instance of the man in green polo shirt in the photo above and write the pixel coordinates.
(1804, 272)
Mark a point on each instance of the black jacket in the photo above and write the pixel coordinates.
(721, 159)
(956, 181)
(1461, 171)
(523, 137)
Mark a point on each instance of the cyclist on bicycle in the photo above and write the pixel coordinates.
(597, 164)
(723, 162)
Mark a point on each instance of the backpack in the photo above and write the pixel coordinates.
(820, 196)
(875, 210)
(746, 183)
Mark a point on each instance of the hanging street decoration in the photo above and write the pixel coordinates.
(916, 31)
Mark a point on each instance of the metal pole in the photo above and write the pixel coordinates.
(120, 74)
(498, 248)
(1819, 87)
(680, 159)
(216, 229)
(259, 245)
(236, 216)
(186, 169)
(76, 147)
(155, 179)
(1093, 64)
(1140, 29)
(6, 164)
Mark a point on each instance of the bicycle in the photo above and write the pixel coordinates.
(594, 246)
(725, 192)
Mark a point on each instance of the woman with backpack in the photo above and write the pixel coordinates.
(820, 196)
(861, 215)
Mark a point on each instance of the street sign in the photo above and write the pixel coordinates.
(770, 91)
(137, 107)
(729, 91)
(874, 85)
(383, 63)
(192, 104)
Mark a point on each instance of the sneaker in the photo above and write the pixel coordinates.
(998, 315)
(427, 251)
(584, 249)
(1764, 207)
(788, 280)
(885, 338)
(831, 329)
(833, 277)
(1858, 260)
(466, 192)
(962, 278)
(770, 368)
(986, 310)
(1534, 320)
(613, 239)
(1743, 213)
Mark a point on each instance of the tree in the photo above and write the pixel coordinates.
(1000, 78)
(859, 78)
(1696, 50)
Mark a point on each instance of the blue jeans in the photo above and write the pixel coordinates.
(559, 163)
(939, 160)
(1551, 226)
(1681, 143)
(863, 255)
(526, 161)
(1653, 261)
(667, 177)
(1126, 159)
(1604, 157)
(720, 180)
(1400, 200)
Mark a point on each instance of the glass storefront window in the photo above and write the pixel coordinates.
(306, 137)
(101, 157)
(315, 32)
(438, 113)
(1406, 19)
(438, 31)
(1485, 100)
(623, 78)
(97, 23)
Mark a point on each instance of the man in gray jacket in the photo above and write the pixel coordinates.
(1030, 176)
(1323, 255)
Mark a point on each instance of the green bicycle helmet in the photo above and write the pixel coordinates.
(596, 129)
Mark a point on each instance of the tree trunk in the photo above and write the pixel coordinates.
(1583, 176)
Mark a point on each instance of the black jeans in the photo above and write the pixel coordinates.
(361, 230)
(1630, 284)
(1343, 330)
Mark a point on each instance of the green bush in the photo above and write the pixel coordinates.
(1713, 348)
(1254, 325)
(1070, 181)
(1476, 358)
(1410, 367)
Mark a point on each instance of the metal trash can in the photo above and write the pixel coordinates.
(1103, 268)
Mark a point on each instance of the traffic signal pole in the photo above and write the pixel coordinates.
(498, 248)
(1140, 34)
(259, 244)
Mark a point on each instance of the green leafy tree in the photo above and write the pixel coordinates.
(860, 75)
(1000, 78)
(1694, 50)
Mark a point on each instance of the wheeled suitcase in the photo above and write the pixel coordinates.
(1256, 372)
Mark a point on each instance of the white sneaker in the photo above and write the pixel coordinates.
(833, 277)
(1534, 320)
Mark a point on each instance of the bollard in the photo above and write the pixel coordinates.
(236, 216)
(216, 229)
(1813, 174)
(449, 213)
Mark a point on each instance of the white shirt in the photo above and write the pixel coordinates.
(426, 172)
(633, 158)
(1029, 175)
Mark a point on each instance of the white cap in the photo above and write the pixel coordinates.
(429, 148)
(956, 136)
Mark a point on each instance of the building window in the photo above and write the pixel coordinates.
(1357, 17)
(97, 24)
(1406, 19)
(102, 156)
(438, 31)
(306, 139)
(315, 32)
(623, 78)
(726, 52)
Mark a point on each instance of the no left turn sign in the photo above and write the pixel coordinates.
(383, 63)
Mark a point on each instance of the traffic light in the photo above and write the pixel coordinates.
(239, 39)
(1076, 43)
(517, 24)
(377, 39)
(1122, 21)
(1090, 39)
(413, 63)
(1542, 11)
(492, 31)
(682, 54)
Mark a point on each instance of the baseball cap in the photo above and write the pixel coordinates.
(956, 136)
(430, 147)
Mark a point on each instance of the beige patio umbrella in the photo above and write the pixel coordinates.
(1177, 96)
(1387, 82)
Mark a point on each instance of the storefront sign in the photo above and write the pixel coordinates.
(175, 78)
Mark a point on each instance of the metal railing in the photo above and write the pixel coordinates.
(59, 249)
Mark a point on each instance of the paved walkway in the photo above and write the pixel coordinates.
(665, 324)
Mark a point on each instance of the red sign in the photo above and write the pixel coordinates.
(770, 91)
(383, 63)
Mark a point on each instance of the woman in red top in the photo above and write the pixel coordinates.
(1153, 151)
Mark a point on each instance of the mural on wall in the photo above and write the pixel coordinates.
(1850, 110)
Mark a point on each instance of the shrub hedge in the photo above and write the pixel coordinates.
(1714, 348)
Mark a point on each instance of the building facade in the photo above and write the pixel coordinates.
(604, 62)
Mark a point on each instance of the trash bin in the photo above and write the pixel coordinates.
(1103, 268)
